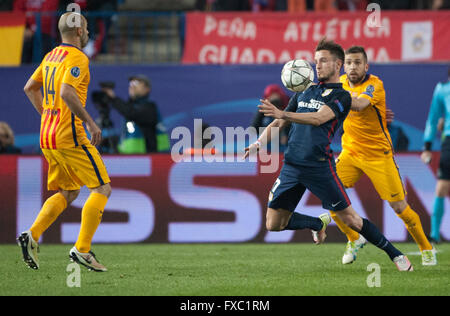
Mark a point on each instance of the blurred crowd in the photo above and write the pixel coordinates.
(318, 5)
(36, 43)
(47, 24)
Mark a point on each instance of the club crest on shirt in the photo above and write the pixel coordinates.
(327, 92)
(75, 71)
(369, 91)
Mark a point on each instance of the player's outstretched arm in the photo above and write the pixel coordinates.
(324, 114)
(33, 91)
(70, 97)
(265, 137)
(359, 104)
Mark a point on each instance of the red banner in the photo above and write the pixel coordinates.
(157, 200)
(248, 38)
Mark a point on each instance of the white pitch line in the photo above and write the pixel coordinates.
(418, 253)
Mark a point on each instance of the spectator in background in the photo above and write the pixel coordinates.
(143, 121)
(276, 95)
(229, 5)
(325, 5)
(440, 5)
(399, 139)
(396, 4)
(201, 5)
(316, 5)
(262, 5)
(268, 5)
(98, 24)
(352, 5)
(296, 6)
(7, 140)
(241, 5)
(48, 9)
(281, 5)
(6, 5)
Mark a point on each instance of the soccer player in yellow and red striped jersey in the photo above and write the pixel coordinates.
(72, 158)
(367, 149)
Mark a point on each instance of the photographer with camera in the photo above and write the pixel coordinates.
(110, 137)
(141, 114)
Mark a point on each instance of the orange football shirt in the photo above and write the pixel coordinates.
(60, 128)
(365, 133)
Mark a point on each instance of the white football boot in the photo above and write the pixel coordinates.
(429, 257)
(352, 248)
(86, 259)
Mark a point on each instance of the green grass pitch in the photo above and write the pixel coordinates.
(224, 270)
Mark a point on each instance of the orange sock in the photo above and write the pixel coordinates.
(350, 233)
(50, 211)
(414, 227)
(91, 216)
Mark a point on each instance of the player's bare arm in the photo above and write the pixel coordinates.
(324, 114)
(70, 97)
(359, 104)
(265, 136)
(33, 91)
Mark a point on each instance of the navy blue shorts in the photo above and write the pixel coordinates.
(322, 181)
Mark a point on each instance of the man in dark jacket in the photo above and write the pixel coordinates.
(141, 113)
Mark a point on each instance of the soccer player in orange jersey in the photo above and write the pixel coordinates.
(72, 158)
(367, 148)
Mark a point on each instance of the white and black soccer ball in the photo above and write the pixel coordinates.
(297, 75)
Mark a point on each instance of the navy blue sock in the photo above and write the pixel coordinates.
(300, 221)
(374, 236)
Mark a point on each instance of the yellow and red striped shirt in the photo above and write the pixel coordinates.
(60, 128)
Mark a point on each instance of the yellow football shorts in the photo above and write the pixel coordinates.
(71, 168)
(384, 175)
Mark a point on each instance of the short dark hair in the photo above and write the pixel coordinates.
(335, 49)
(142, 78)
(357, 50)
